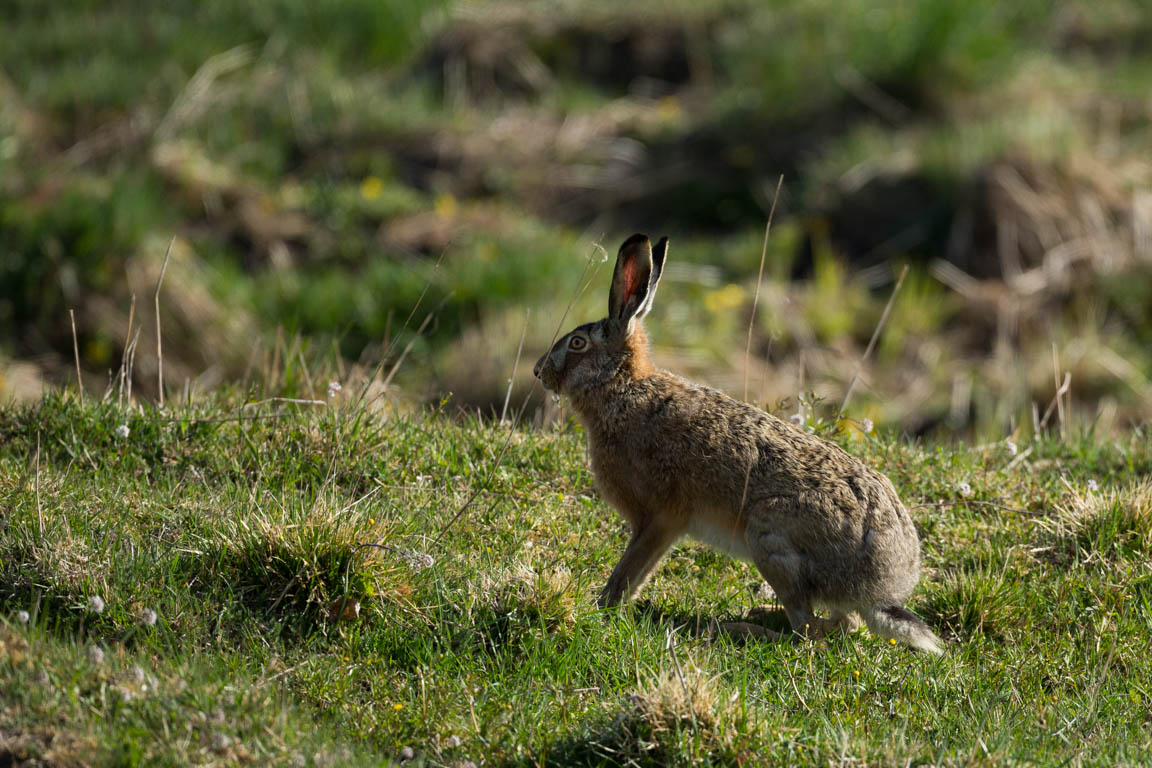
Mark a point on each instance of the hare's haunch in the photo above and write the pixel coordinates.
(676, 459)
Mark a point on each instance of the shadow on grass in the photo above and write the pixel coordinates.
(698, 624)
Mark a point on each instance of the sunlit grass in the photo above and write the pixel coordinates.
(225, 554)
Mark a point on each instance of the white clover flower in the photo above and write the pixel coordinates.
(453, 741)
(96, 654)
(122, 431)
(1013, 449)
(418, 561)
(1093, 486)
(23, 617)
(866, 425)
(96, 604)
(407, 753)
(334, 388)
(298, 761)
(796, 418)
(139, 675)
(148, 617)
(964, 490)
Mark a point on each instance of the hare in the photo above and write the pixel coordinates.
(679, 459)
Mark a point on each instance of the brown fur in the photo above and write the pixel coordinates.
(636, 353)
(677, 459)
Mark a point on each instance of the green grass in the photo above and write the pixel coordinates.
(70, 58)
(239, 527)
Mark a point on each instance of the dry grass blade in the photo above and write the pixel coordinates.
(1019, 459)
(76, 356)
(872, 342)
(159, 346)
(759, 277)
(871, 95)
(971, 503)
(1061, 390)
(194, 98)
(670, 640)
(39, 508)
(127, 351)
(291, 400)
(515, 366)
(132, 362)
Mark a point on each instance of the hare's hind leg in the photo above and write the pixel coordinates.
(803, 622)
(745, 629)
(780, 565)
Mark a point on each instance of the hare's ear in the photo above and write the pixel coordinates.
(631, 280)
(659, 253)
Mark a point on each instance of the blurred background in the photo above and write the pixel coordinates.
(326, 167)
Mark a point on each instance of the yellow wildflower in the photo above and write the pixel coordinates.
(371, 188)
(724, 299)
(445, 206)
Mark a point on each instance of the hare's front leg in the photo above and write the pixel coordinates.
(648, 545)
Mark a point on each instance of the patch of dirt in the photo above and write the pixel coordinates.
(514, 51)
(42, 748)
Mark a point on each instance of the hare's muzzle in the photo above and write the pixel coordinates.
(545, 372)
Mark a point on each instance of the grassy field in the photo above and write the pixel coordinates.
(334, 584)
(340, 186)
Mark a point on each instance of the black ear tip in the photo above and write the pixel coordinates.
(659, 251)
(636, 239)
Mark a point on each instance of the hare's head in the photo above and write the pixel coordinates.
(593, 354)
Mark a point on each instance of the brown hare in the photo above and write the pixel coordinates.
(679, 459)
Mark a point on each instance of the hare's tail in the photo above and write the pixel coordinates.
(897, 623)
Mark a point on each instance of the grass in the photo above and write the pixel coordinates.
(226, 545)
(279, 584)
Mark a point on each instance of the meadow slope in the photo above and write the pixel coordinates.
(322, 164)
(282, 585)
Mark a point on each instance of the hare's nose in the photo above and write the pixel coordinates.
(539, 364)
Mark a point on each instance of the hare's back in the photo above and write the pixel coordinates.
(726, 437)
(743, 453)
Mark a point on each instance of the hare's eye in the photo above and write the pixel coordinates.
(576, 343)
